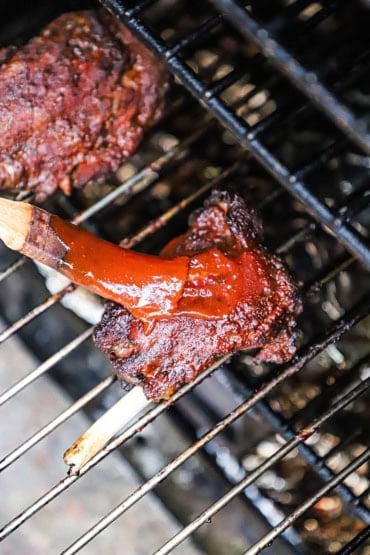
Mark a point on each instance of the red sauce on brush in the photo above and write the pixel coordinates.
(205, 285)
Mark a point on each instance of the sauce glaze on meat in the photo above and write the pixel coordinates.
(173, 350)
(74, 103)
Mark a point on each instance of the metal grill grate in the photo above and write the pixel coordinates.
(302, 413)
(251, 135)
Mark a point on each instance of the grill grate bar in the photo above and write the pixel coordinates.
(328, 274)
(300, 437)
(304, 233)
(306, 81)
(288, 521)
(287, 429)
(140, 6)
(45, 366)
(335, 149)
(255, 63)
(35, 312)
(350, 438)
(224, 82)
(283, 118)
(246, 137)
(296, 8)
(53, 424)
(342, 381)
(317, 463)
(359, 202)
(196, 35)
(139, 424)
(356, 542)
(231, 468)
(142, 179)
(12, 268)
(320, 16)
(163, 220)
(304, 355)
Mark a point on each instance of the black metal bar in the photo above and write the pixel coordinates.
(246, 136)
(140, 6)
(194, 36)
(306, 81)
(356, 542)
(334, 149)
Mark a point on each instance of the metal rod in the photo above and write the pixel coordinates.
(307, 81)
(13, 268)
(301, 436)
(62, 417)
(139, 424)
(289, 520)
(45, 366)
(334, 269)
(140, 6)
(32, 314)
(318, 464)
(163, 220)
(303, 356)
(141, 179)
(300, 235)
(194, 36)
(356, 542)
(286, 429)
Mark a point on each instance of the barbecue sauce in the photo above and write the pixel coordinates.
(205, 285)
(148, 286)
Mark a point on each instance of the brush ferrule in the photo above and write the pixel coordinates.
(42, 243)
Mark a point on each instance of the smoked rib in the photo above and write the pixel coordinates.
(75, 102)
(175, 349)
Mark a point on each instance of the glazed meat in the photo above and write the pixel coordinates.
(262, 306)
(74, 103)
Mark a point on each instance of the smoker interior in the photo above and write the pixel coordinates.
(289, 463)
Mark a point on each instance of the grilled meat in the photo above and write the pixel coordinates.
(74, 103)
(252, 305)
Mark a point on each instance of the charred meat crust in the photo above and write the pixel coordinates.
(74, 103)
(174, 350)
